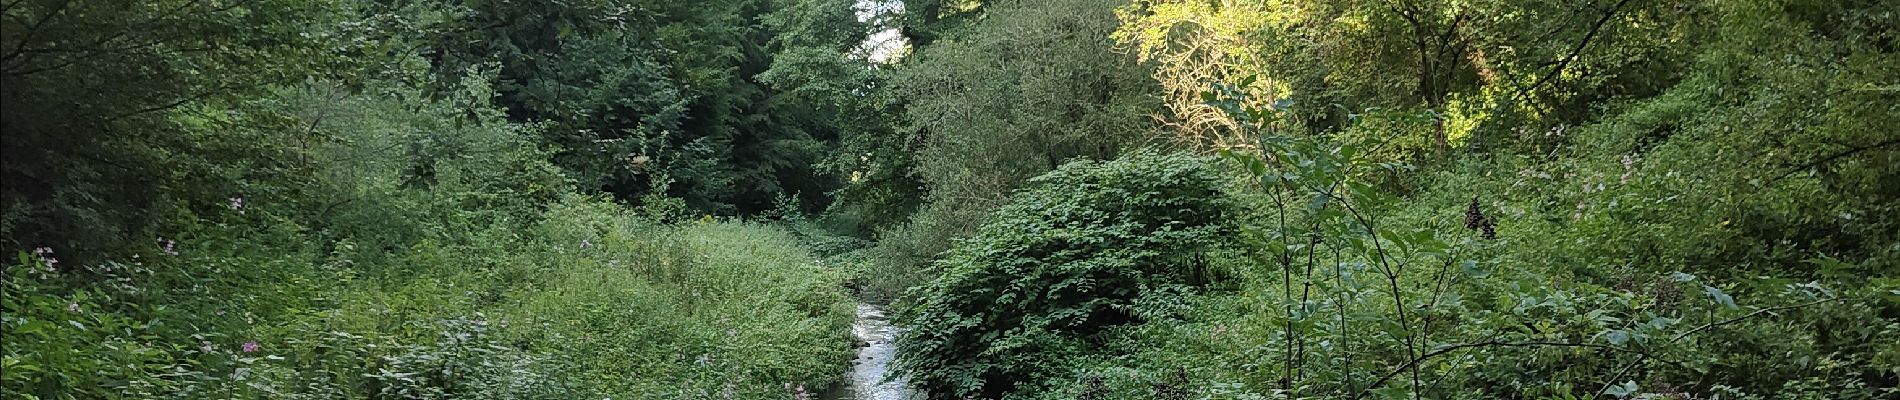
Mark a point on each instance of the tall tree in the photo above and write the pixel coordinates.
(661, 98)
(119, 113)
(1014, 94)
(1504, 63)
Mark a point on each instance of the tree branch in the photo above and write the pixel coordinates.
(1619, 375)
(1832, 158)
(1578, 49)
(33, 29)
(1712, 325)
(1414, 362)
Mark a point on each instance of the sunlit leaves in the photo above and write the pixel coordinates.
(1193, 43)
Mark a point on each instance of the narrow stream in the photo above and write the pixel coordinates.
(869, 369)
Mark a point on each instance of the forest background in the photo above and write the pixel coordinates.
(1062, 198)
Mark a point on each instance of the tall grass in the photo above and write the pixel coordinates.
(591, 301)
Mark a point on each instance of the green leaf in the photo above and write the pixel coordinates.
(1269, 180)
(1624, 389)
(1471, 269)
(1719, 296)
(1403, 245)
(1393, 392)
(1617, 337)
(1318, 203)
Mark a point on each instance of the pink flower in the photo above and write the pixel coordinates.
(250, 346)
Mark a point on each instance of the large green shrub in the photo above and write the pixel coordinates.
(1093, 245)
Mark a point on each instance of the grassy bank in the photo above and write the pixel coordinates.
(418, 257)
(589, 303)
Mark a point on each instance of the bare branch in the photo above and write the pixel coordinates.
(1750, 315)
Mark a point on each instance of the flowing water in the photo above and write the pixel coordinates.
(867, 379)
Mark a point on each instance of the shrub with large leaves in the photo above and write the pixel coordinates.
(1093, 245)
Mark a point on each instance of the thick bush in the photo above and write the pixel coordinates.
(1093, 245)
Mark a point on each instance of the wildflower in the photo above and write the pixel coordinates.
(250, 346)
(206, 346)
(170, 247)
(237, 203)
(74, 307)
(1629, 167)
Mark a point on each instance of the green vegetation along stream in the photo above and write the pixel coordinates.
(1048, 199)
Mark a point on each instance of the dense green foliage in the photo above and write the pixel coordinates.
(565, 315)
(486, 281)
(395, 200)
(1090, 247)
(1092, 199)
(96, 152)
(1492, 200)
(646, 97)
(1026, 87)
